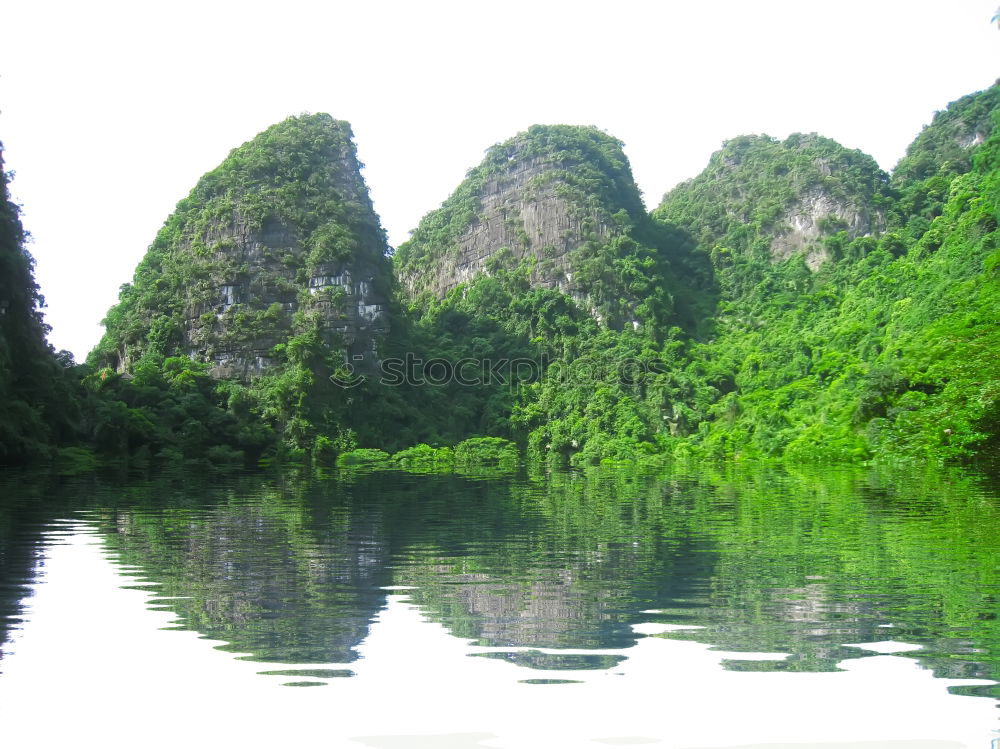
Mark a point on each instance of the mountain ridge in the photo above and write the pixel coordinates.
(791, 301)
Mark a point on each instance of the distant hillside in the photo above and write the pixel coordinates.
(945, 146)
(760, 199)
(886, 347)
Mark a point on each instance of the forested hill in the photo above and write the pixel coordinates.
(761, 201)
(877, 335)
(559, 204)
(792, 301)
(279, 241)
(946, 147)
(841, 314)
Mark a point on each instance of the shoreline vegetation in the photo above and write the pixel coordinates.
(792, 303)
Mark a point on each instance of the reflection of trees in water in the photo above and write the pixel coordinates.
(21, 518)
(556, 608)
(555, 661)
(32, 506)
(764, 560)
(810, 561)
(588, 559)
(294, 572)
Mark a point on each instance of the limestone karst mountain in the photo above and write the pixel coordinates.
(280, 239)
(560, 202)
(945, 147)
(793, 300)
(761, 198)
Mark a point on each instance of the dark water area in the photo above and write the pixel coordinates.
(800, 564)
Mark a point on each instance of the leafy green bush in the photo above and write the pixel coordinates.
(478, 453)
(72, 461)
(425, 459)
(364, 458)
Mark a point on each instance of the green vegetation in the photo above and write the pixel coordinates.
(740, 209)
(425, 459)
(235, 295)
(945, 147)
(838, 326)
(766, 559)
(364, 458)
(883, 351)
(793, 301)
(478, 453)
(38, 408)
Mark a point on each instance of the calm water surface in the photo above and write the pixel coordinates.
(702, 609)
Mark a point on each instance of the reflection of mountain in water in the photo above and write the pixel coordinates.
(763, 561)
(263, 573)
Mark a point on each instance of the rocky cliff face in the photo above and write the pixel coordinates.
(280, 240)
(816, 214)
(551, 196)
(251, 303)
(522, 211)
(759, 194)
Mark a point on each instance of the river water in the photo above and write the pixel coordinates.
(718, 607)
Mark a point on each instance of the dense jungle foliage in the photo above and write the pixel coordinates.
(37, 410)
(872, 337)
(885, 350)
(793, 301)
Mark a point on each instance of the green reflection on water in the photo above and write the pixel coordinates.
(762, 558)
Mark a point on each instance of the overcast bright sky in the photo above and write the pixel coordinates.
(111, 111)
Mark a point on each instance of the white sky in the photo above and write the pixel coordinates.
(111, 111)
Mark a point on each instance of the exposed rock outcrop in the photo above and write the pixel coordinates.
(260, 289)
(550, 196)
(815, 214)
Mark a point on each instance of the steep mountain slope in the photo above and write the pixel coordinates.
(280, 239)
(560, 202)
(268, 283)
(944, 149)
(542, 261)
